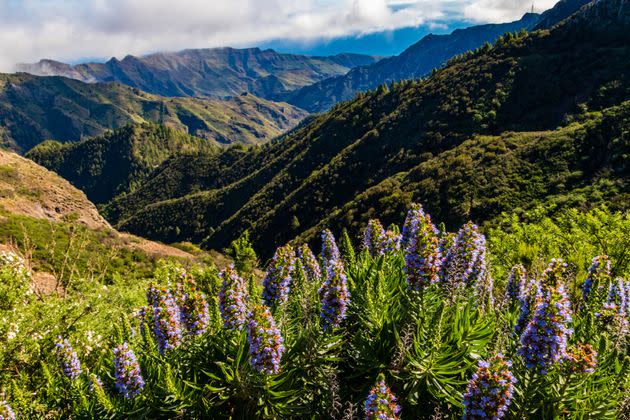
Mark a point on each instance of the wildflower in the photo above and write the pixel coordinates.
(232, 299)
(422, 251)
(166, 320)
(279, 275)
(381, 402)
(408, 228)
(391, 241)
(265, 341)
(129, 381)
(489, 392)
(373, 237)
(598, 276)
(581, 358)
(465, 263)
(195, 315)
(309, 263)
(544, 341)
(6, 412)
(516, 280)
(613, 312)
(530, 291)
(94, 382)
(68, 360)
(330, 251)
(334, 296)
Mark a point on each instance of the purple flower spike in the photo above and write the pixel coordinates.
(544, 341)
(265, 341)
(233, 299)
(381, 403)
(490, 390)
(334, 296)
(68, 360)
(422, 250)
(129, 381)
(310, 264)
(279, 276)
(597, 278)
(330, 251)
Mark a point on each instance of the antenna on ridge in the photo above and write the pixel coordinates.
(532, 7)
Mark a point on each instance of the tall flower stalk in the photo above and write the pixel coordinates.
(309, 263)
(381, 402)
(544, 341)
(374, 237)
(266, 345)
(330, 251)
(595, 285)
(422, 250)
(490, 390)
(465, 263)
(515, 282)
(334, 295)
(279, 275)
(129, 381)
(195, 314)
(166, 319)
(68, 360)
(233, 299)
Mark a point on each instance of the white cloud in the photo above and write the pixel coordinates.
(496, 11)
(68, 30)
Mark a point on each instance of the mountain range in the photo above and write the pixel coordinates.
(216, 72)
(537, 119)
(33, 109)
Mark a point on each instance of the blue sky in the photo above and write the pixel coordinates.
(70, 30)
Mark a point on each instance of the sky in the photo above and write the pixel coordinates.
(77, 30)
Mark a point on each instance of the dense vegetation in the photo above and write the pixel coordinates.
(537, 119)
(34, 109)
(115, 163)
(426, 319)
(216, 72)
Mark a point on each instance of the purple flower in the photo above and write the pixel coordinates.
(490, 390)
(516, 280)
(265, 341)
(581, 358)
(330, 251)
(279, 275)
(422, 250)
(613, 313)
(374, 237)
(68, 360)
(166, 319)
(310, 264)
(129, 382)
(334, 296)
(233, 299)
(194, 311)
(6, 412)
(94, 382)
(465, 262)
(407, 231)
(391, 241)
(544, 341)
(598, 276)
(530, 292)
(381, 402)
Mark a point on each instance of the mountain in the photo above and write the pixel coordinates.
(431, 52)
(562, 10)
(33, 109)
(538, 119)
(112, 164)
(214, 72)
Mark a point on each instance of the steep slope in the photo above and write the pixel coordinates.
(429, 53)
(208, 72)
(106, 166)
(30, 190)
(33, 109)
(526, 83)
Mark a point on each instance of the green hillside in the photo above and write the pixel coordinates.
(33, 109)
(526, 84)
(112, 164)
